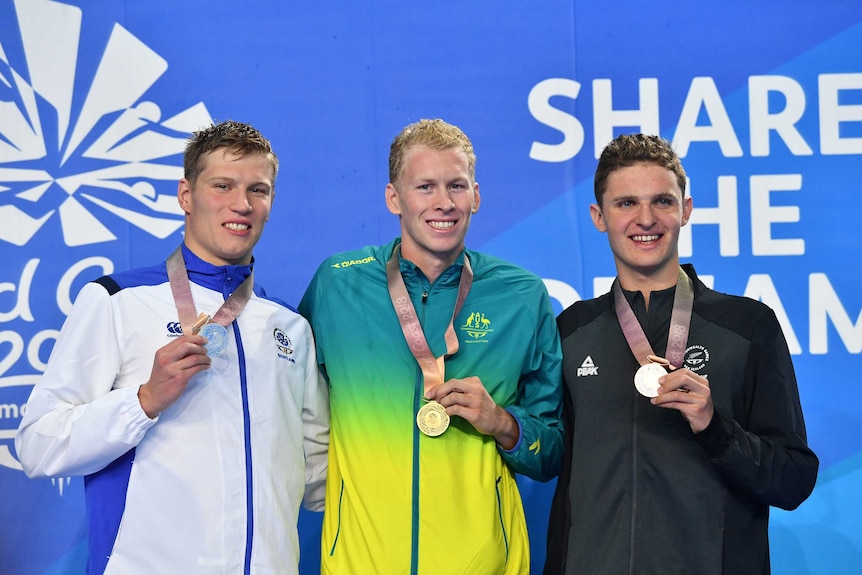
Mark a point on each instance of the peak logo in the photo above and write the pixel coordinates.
(588, 368)
(103, 160)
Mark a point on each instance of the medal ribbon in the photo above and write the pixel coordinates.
(433, 369)
(680, 319)
(182, 291)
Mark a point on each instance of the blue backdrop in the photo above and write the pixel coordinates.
(763, 100)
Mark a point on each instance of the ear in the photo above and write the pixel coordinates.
(477, 199)
(598, 218)
(687, 206)
(184, 192)
(393, 200)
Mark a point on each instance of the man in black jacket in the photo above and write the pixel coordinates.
(683, 420)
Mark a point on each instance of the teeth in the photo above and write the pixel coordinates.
(441, 225)
(645, 238)
(236, 227)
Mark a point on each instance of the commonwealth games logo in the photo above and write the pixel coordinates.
(84, 159)
(477, 327)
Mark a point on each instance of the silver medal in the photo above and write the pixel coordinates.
(646, 379)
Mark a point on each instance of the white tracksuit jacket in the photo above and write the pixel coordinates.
(212, 485)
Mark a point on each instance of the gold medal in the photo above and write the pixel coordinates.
(432, 419)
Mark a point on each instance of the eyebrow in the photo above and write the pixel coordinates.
(635, 197)
(218, 178)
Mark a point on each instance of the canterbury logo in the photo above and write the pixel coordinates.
(175, 328)
(535, 447)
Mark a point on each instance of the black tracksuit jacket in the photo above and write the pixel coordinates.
(638, 492)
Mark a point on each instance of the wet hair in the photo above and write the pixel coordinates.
(629, 149)
(434, 134)
(236, 138)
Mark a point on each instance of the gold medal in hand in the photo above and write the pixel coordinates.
(432, 419)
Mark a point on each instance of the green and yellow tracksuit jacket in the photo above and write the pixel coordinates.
(397, 501)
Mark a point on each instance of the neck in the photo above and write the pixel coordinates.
(215, 261)
(430, 265)
(432, 269)
(631, 280)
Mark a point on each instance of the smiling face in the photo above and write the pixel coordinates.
(227, 206)
(642, 211)
(434, 197)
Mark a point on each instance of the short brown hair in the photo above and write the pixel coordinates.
(629, 149)
(434, 134)
(237, 138)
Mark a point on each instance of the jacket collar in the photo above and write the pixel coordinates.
(409, 270)
(223, 279)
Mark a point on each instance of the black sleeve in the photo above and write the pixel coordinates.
(764, 452)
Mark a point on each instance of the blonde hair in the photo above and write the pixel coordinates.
(434, 134)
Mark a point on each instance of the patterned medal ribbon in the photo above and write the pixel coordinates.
(213, 328)
(646, 378)
(432, 418)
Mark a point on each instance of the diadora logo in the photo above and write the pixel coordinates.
(284, 345)
(477, 327)
(348, 263)
(90, 159)
(696, 357)
(588, 368)
(175, 329)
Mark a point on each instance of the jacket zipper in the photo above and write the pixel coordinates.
(414, 555)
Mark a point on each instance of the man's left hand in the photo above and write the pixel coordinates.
(688, 393)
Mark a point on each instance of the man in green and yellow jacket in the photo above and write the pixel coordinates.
(444, 373)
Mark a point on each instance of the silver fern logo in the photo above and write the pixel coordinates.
(95, 163)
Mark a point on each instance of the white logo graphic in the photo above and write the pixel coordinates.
(696, 357)
(88, 162)
(588, 368)
(104, 159)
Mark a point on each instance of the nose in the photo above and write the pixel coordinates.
(240, 203)
(645, 216)
(443, 201)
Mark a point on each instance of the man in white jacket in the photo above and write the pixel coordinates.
(188, 399)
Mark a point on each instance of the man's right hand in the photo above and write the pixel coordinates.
(173, 366)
